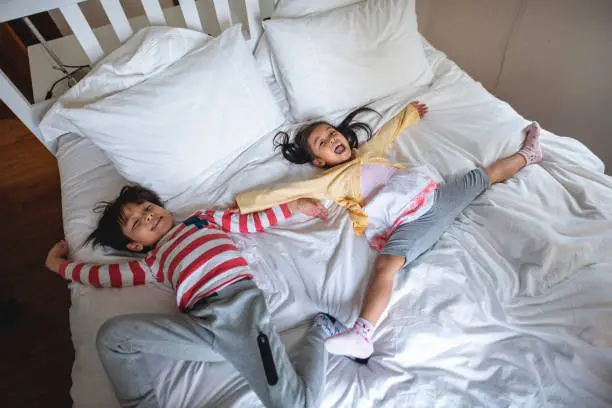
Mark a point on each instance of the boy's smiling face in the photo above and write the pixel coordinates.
(145, 224)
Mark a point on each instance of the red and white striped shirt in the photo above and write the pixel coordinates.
(195, 258)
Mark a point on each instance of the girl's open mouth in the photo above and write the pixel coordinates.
(339, 149)
(156, 224)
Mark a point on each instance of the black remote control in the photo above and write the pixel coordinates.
(267, 359)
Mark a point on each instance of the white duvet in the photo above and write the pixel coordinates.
(512, 307)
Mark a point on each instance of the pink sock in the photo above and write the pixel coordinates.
(531, 150)
(364, 328)
(355, 342)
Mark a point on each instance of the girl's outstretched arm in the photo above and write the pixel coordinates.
(322, 187)
(389, 132)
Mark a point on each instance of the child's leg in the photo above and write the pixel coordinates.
(503, 169)
(244, 335)
(356, 342)
(234, 326)
(379, 290)
(406, 244)
(530, 153)
(125, 342)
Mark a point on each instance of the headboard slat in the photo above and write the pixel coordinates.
(253, 18)
(116, 16)
(190, 13)
(14, 9)
(154, 12)
(83, 32)
(10, 95)
(266, 8)
(209, 18)
(224, 13)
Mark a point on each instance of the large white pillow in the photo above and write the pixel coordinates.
(348, 56)
(263, 57)
(168, 128)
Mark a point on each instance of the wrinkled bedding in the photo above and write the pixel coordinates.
(511, 308)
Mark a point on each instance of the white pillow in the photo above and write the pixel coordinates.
(263, 57)
(168, 130)
(348, 56)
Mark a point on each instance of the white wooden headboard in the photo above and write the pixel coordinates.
(223, 13)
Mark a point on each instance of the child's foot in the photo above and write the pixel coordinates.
(531, 150)
(329, 324)
(354, 343)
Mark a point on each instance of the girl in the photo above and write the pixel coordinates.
(402, 211)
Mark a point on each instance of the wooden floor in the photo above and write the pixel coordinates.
(36, 350)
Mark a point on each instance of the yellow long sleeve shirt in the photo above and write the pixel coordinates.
(342, 183)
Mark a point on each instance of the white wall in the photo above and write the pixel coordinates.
(550, 59)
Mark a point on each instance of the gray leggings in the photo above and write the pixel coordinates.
(414, 238)
(234, 326)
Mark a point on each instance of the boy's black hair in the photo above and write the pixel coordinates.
(108, 233)
(298, 151)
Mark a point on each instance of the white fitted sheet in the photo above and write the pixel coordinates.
(512, 306)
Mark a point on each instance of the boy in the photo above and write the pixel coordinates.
(223, 310)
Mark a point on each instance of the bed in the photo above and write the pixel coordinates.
(511, 308)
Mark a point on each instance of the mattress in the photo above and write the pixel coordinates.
(511, 307)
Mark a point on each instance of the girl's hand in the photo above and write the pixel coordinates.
(312, 207)
(421, 108)
(56, 256)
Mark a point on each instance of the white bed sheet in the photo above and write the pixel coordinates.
(512, 307)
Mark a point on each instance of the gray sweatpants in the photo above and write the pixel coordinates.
(233, 325)
(413, 238)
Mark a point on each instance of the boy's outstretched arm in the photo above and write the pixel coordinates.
(96, 275)
(232, 221)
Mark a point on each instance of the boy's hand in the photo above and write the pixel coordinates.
(233, 208)
(56, 256)
(421, 108)
(312, 207)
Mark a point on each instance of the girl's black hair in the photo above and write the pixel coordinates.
(109, 233)
(298, 151)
